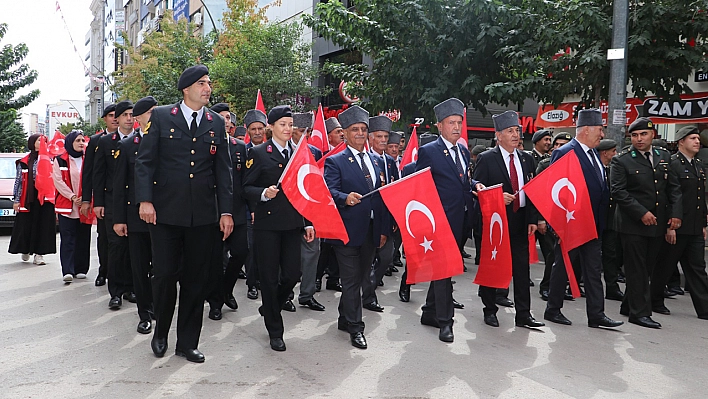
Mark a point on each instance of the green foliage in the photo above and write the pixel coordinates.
(14, 75)
(12, 135)
(83, 125)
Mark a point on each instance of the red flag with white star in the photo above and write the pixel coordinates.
(56, 144)
(411, 154)
(318, 137)
(495, 255)
(431, 250)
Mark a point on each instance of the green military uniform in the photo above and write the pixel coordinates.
(538, 157)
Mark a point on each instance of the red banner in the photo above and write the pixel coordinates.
(318, 138)
(411, 154)
(495, 255)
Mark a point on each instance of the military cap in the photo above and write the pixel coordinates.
(109, 108)
(394, 138)
(426, 138)
(191, 75)
(234, 119)
(686, 131)
(449, 107)
(331, 124)
(240, 131)
(279, 112)
(562, 136)
(380, 123)
(505, 120)
(220, 107)
(254, 115)
(143, 105)
(303, 120)
(539, 135)
(606, 144)
(122, 107)
(353, 115)
(478, 149)
(642, 123)
(589, 117)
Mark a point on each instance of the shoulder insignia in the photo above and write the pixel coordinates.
(136, 139)
(116, 154)
(249, 163)
(656, 151)
(174, 111)
(115, 136)
(95, 149)
(147, 127)
(634, 154)
(209, 117)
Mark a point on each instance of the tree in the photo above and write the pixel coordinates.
(83, 125)
(12, 135)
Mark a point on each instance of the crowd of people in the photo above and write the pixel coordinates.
(183, 201)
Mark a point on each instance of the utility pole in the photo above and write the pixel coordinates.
(617, 55)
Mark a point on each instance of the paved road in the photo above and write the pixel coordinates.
(61, 341)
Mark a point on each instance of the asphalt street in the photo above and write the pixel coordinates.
(62, 341)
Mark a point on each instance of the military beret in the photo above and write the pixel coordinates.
(686, 131)
(426, 138)
(539, 135)
(191, 75)
(331, 124)
(240, 131)
(380, 123)
(109, 108)
(122, 107)
(641, 124)
(394, 138)
(606, 144)
(478, 149)
(449, 107)
(562, 136)
(143, 105)
(279, 112)
(589, 117)
(220, 107)
(303, 120)
(353, 115)
(254, 115)
(505, 120)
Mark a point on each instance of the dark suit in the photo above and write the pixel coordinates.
(545, 241)
(490, 170)
(277, 228)
(407, 170)
(309, 255)
(187, 178)
(589, 254)
(87, 197)
(344, 175)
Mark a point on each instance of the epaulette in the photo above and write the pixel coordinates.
(674, 157)
(626, 151)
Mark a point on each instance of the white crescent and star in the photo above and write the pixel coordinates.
(317, 133)
(496, 219)
(414, 154)
(555, 191)
(414, 205)
(305, 170)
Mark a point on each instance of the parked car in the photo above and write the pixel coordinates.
(8, 171)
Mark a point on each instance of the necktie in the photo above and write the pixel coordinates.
(648, 155)
(458, 163)
(598, 172)
(693, 163)
(367, 174)
(193, 125)
(285, 155)
(514, 181)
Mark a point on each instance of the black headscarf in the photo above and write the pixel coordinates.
(31, 193)
(69, 143)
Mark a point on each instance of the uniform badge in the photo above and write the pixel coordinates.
(115, 136)
(212, 149)
(350, 159)
(136, 139)
(116, 154)
(211, 133)
(174, 111)
(249, 163)
(233, 141)
(269, 149)
(445, 151)
(147, 127)
(208, 115)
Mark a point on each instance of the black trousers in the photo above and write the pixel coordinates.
(354, 265)
(178, 255)
(140, 247)
(640, 254)
(397, 242)
(120, 277)
(328, 260)
(547, 244)
(611, 259)
(74, 250)
(251, 265)
(102, 247)
(588, 256)
(382, 259)
(225, 267)
(690, 251)
(278, 258)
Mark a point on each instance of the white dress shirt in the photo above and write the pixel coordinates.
(519, 172)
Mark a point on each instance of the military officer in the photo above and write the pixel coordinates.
(648, 197)
(541, 146)
(611, 247)
(184, 186)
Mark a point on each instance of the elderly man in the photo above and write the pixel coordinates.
(335, 133)
(255, 122)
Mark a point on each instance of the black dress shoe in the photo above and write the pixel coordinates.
(334, 286)
(159, 346)
(313, 304)
(558, 318)
(318, 285)
(115, 303)
(358, 340)
(427, 319)
(504, 301)
(621, 279)
(604, 322)
(544, 295)
(395, 270)
(374, 307)
(677, 290)
(644, 321)
(661, 309)
(242, 275)
(100, 280)
(491, 320)
(289, 306)
(531, 283)
(405, 294)
(215, 314)
(277, 344)
(193, 355)
(668, 294)
(145, 326)
(388, 272)
(457, 305)
(130, 297)
(614, 295)
(381, 284)
(568, 296)
(397, 263)
(582, 292)
(465, 255)
(464, 268)
(446, 334)
(252, 292)
(529, 322)
(230, 301)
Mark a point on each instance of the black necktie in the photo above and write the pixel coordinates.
(598, 172)
(693, 163)
(648, 155)
(367, 174)
(285, 155)
(193, 125)
(458, 163)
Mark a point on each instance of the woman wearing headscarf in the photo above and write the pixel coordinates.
(34, 231)
(74, 228)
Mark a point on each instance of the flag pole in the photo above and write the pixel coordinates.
(394, 183)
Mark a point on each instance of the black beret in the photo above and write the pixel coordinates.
(110, 108)
(686, 131)
(539, 135)
(641, 124)
(562, 136)
(191, 75)
(281, 111)
(240, 131)
(220, 107)
(122, 107)
(254, 115)
(143, 105)
(606, 144)
(426, 138)
(478, 149)
(395, 137)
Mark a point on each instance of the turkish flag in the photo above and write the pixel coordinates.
(259, 102)
(495, 256)
(247, 137)
(319, 131)
(533, 252)
(411, 154)
(431, 250)
(56, 144)
(463, 134)
(339, 148)
(304, 185)
(561, 196)
(43, 181)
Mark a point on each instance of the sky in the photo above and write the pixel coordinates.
(51, 53)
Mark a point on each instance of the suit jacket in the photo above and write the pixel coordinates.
(692, 180)
(343, 176)
(125, 209)
(186, 177)
(597, 188)
(391, 171)
(408, 169)
(237, 149)
(87, 172)
(639, 187)
(104, 169)
(263, 169)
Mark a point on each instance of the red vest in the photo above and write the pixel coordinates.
(23, 164)
(63, 205)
